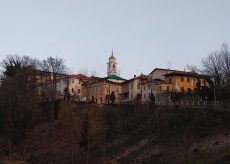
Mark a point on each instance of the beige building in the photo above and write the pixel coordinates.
(75, 87)
(160, 82)
(157, 76)
(67, 86)
(158, 73)
(131, 89)
(146, 90)
(99, 89)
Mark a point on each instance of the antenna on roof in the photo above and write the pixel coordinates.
(112, 51)
(169, 65)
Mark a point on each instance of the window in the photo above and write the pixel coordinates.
(144, 87)
(131, 85)
(189, 90)
(188, 80)
(114, 67)
(79, 91)
(72, 90)
(170, 80)
(144, 95)
(182, 79)
(159, 88)
(149, 86)
(72, 80)
(138, 85)
(167, 88)
(182, 89)
(223, 82)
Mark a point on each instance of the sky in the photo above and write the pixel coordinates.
(144, 34)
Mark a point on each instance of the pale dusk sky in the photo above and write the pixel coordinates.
(144, 34)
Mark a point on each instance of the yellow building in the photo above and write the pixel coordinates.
(181, 81)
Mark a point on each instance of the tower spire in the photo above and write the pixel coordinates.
(112, 65)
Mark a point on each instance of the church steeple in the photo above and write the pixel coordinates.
(112, 65)
(112, 57)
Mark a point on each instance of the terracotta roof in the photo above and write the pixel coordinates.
(103, 80)
(141, 77)
(162, 69)
(184, 73)
(77, 76)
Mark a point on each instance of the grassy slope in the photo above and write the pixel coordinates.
(131, 134)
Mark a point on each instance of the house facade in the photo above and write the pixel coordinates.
(181, 81)
(132, 89)
(162, 83)
(100, 91)
(65, 87)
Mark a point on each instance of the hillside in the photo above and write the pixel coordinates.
(124, 134)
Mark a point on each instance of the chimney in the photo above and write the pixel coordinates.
(135, 76)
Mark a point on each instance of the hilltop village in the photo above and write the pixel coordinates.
(49, 116)
(163, 86)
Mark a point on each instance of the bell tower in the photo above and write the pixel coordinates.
(112, 66)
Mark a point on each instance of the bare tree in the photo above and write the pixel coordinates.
(67, 82)
(83, 71)
(213, 65)
(17, 96)
(86, 72)
(93, 72)
(87, 80)
(225, 59)
(217, 64)
(193, 68)
(54, 69)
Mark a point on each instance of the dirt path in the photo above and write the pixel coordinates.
(129, 150)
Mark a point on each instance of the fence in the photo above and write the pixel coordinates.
(194, 103)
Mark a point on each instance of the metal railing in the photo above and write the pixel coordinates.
(193, 103)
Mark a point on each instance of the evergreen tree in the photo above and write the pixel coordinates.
(112, 97)
(152, 100)
(84, 133)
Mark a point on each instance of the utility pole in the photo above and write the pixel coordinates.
(214, 91)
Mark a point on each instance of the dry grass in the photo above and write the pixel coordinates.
(128, 134)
